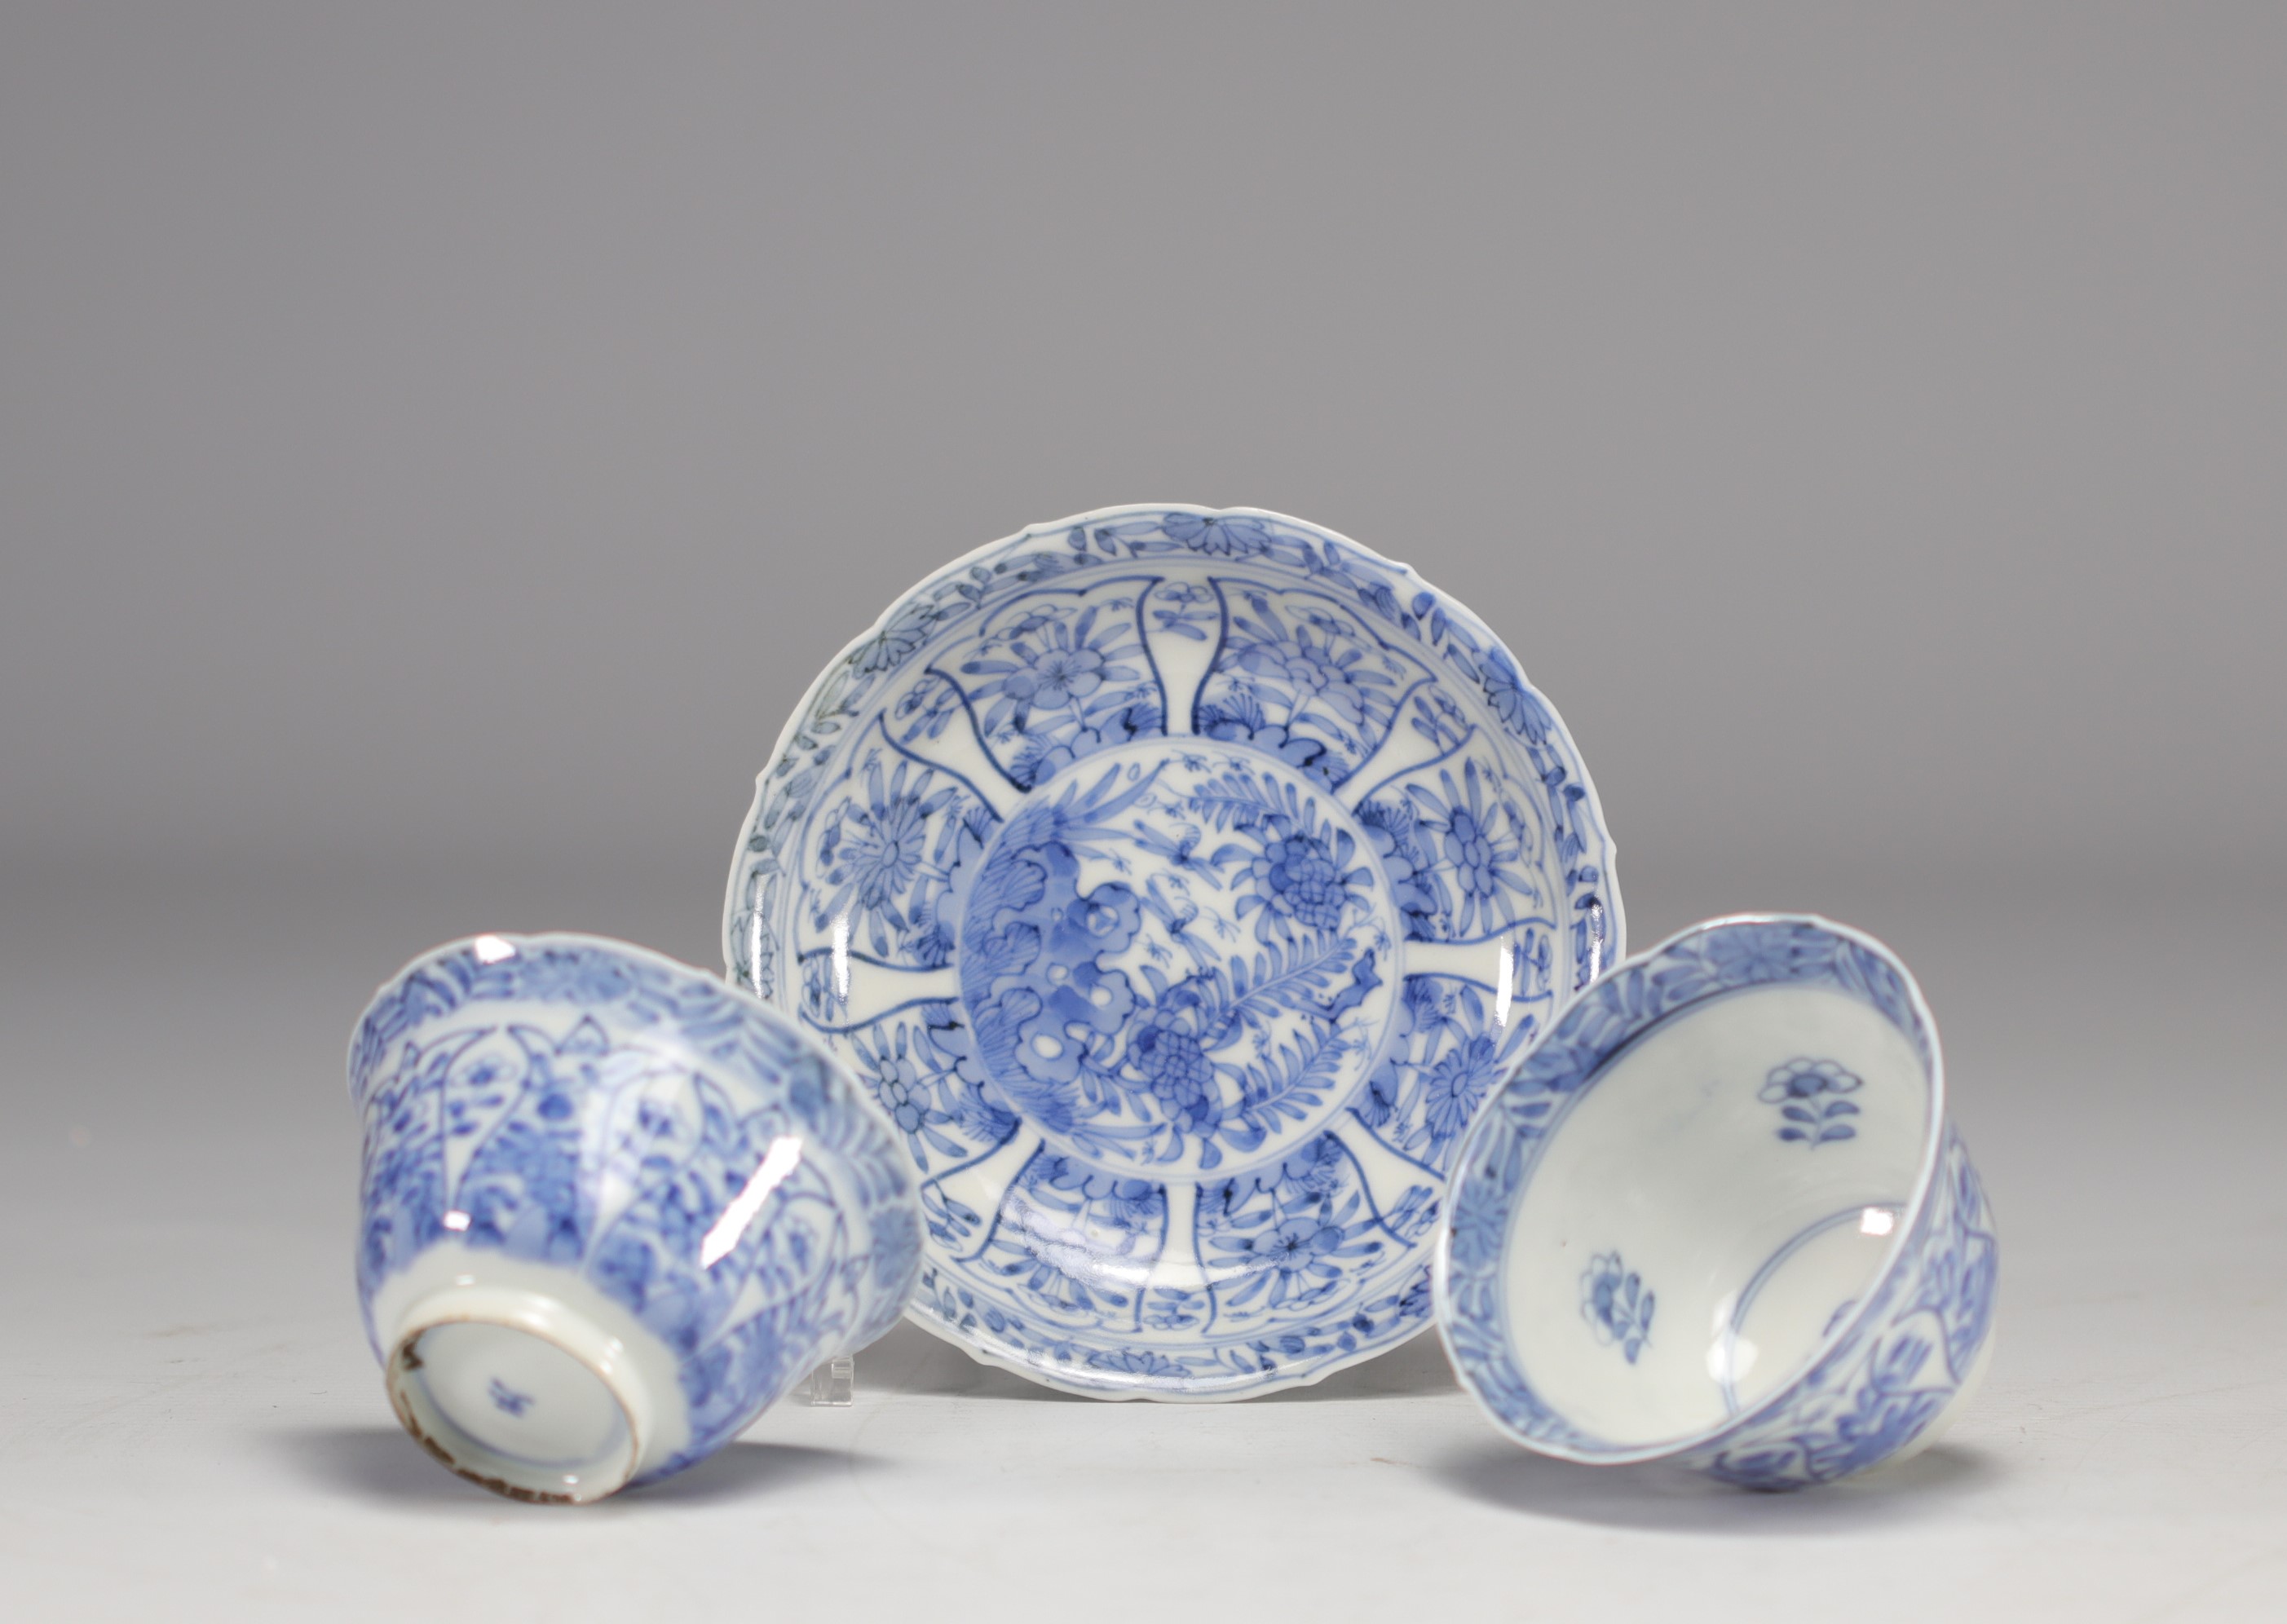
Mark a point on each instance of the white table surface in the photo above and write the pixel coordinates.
(191, 1427)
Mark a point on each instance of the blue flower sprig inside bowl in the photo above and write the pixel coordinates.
(1718, 1217)
(611, 1209)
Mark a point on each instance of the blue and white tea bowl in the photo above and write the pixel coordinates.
(611, 1209)
(1178, 880)
(1718, 1217)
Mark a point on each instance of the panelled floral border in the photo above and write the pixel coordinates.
(1390, 594)
(1073, 684)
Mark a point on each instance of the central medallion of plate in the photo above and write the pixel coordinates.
(1177, 961)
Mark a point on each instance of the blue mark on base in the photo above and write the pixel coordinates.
(507, 1398)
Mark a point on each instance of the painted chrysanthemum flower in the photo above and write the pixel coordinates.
(1456, 1085)
(1475, 867)
(882, 851)
(1179, 1073)
(1481, 846)
(1298, 877)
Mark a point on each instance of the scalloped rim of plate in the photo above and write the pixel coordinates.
(1048, 1376)
(975, 555)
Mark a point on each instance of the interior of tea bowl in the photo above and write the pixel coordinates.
(1704, 1184)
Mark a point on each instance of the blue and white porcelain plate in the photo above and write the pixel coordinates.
(1179, 881)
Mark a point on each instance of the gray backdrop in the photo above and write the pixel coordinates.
(439, 444)
(438, 430)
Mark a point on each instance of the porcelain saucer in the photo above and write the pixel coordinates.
(1179, 881)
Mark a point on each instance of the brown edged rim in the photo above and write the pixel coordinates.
(405, 1359)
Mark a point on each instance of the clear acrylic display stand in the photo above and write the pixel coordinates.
(835, 1382)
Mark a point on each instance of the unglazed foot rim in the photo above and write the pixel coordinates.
(548, 1321)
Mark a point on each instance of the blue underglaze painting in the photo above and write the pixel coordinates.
(570, 1102)
(1905, 1350)
(1179, 881)
(1810, 1096)
(1617, 1304)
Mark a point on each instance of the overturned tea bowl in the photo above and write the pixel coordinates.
(612, 1209)
(1718, 1217)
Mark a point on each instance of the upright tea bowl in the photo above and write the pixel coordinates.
(611, 1209)
(1718, 1217)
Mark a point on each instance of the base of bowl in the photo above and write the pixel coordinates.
(518, 1392)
